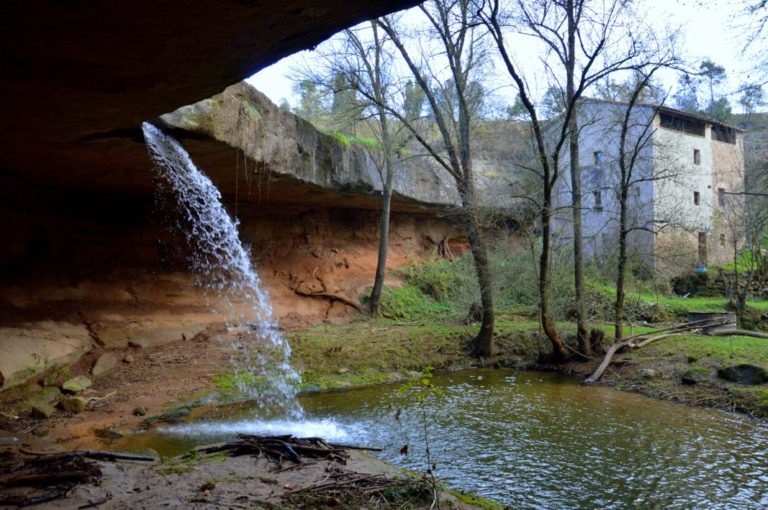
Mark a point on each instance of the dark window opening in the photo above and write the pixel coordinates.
(721, 197)
(598, 201)
(676, 123)
(724, 134)
(696, 157)
(722, 239)
(597, 157)
(696, 198)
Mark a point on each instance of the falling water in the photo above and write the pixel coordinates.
(261, 356)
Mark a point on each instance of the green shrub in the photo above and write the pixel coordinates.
(442, 279)
(410, 303)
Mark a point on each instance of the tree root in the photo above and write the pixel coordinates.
(329, 295)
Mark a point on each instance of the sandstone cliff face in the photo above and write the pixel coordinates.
(282, 148)
(102, 271)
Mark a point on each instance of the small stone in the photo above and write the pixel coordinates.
(140, 411)
(77, 384)
(109, 433)
(139, 343)
(647, 373)
(104, 364)
(129, 358)
(74, 405)
(42, 410)
(40, 431)
(343, 370)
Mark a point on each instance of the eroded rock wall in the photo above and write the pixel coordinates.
(99, 284)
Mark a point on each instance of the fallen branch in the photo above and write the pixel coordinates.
(651, 340)
(736, 331)
(630, 342)
(43, 477)
(279, 448)
(353, 447)
(88, 454)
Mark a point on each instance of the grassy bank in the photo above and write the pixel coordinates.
(681, 368)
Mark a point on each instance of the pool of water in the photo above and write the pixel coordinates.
(531, 440)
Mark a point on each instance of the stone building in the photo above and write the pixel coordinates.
(685, 168)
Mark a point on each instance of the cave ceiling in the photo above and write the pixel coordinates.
(79, 77)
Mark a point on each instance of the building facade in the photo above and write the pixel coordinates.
(685, 173)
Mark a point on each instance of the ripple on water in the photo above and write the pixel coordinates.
(542, 441)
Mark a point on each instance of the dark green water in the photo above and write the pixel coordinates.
(536, 440)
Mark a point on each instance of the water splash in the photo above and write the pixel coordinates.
(261, 356)
(327, 428)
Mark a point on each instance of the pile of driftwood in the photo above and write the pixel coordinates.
(29, 477)
(343, 488)
(286, 447)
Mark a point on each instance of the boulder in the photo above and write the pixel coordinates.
(744, 374)
(104, 364)
(31, 348)
(74, 405)
(77, 384)
(42, 410)
(40, 398)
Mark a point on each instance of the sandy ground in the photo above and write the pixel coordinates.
(170, 374)
(156, 378)
(227, 482)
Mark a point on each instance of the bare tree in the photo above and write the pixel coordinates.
(367, 90)
(459, 39)
(587, 43)
(636, 136)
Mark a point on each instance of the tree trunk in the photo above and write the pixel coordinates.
(381, 264)
(573, 143)
(482, 345)
(578, 245)
(559, 351)
(618, 309)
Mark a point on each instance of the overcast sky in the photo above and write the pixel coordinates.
(711, 29)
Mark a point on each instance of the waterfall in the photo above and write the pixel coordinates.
(261, 354)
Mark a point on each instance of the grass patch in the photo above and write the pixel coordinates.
(731, 350)
(476, 501)
(410, 303)
(231, 382)
(346, 140)
(376, 351)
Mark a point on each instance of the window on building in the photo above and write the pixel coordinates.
(597, 195)
(597, 157)
(683, 124)
(724, 134)
(696, 198)
(722, 239)
(696, 157)
(721, 197)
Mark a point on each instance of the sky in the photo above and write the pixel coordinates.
(711, 29)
